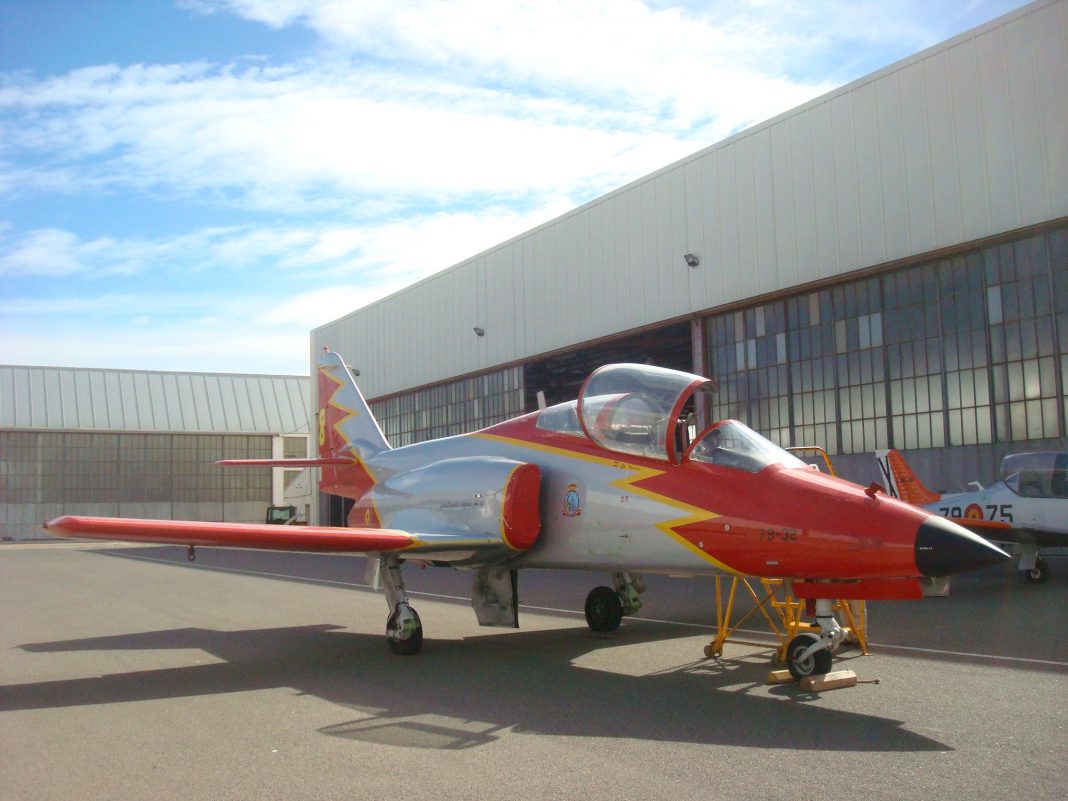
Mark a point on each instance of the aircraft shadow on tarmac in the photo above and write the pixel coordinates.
(470, 692)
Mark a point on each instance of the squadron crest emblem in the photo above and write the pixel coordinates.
(572, 502)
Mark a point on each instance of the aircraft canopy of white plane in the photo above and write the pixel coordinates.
(1036, 475)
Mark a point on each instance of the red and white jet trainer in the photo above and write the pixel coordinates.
(618, 480)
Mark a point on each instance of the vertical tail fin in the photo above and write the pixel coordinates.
(347, 429)
(903, 483)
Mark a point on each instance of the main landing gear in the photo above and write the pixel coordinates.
(1039, 574)
(404, 631)
(607, 606)
(1033, 566)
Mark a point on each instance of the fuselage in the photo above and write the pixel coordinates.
(1045, 520)
(609, 511)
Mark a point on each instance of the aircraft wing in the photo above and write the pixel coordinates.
(442, 545)
(986, 528)
(999, 531)
(328, 539)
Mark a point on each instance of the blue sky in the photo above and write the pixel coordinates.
(195, 184)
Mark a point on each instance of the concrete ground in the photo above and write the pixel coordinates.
(130, 673)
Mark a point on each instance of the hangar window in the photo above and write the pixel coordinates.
(965, 350)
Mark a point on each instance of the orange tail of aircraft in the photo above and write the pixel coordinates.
(903, 483)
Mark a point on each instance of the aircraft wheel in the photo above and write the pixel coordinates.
(1039, 574)
(815, 665)
(604, 610)
(410, 646)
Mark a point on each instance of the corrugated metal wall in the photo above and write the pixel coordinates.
(963, 141)
(77, 399)
(140, 444)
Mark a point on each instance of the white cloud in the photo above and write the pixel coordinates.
(423, 133)
(428, 100)
(47, 251)
(206, 349)
(402, 249)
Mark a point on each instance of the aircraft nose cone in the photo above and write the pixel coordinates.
(944, 548)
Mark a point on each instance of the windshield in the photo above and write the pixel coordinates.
(733, 444)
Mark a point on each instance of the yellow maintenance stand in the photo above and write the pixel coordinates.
(781, 610)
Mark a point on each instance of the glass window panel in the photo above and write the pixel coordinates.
(1017, 421)
(997, 344)
(1031, 385)
(968, 419)
(1047, 378)
(856, 403)
(981, 382)
(1047, 345)
(1060, 287)
(956, 427)
(967, 389)
(1014, 381)
(934, 392)
(1050, 424)
(908, 396)
(951, 351)
(1009, 303)
(922, 398)
(1013, 351)
(1034, 419)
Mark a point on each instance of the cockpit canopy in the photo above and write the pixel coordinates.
(1036, 475)
(650, 411)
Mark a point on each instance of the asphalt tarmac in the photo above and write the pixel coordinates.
(130, 673)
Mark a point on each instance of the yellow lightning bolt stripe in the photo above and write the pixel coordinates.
(628, 483)
(328, 372)
(349, 414)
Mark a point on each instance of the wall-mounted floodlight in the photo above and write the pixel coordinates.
(691, 260)
(480, 331)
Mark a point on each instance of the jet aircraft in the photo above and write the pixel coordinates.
(617, 480)
(1027, 507)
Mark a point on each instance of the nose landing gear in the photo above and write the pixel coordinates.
(810, 654)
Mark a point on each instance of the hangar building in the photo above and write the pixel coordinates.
(884, 266)
(142, 444)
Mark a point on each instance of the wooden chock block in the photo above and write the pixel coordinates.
(829, 681)
(780, 677)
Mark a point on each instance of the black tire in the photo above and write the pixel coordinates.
(816, 665)
(1039, 574)
(604, 610)
(410, 646)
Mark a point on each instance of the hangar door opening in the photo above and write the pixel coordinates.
(560, 376)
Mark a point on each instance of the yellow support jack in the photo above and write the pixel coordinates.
(782, 612)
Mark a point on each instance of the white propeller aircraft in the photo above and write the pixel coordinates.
(1027, 507)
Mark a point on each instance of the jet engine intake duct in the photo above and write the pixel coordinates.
(478, 504)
